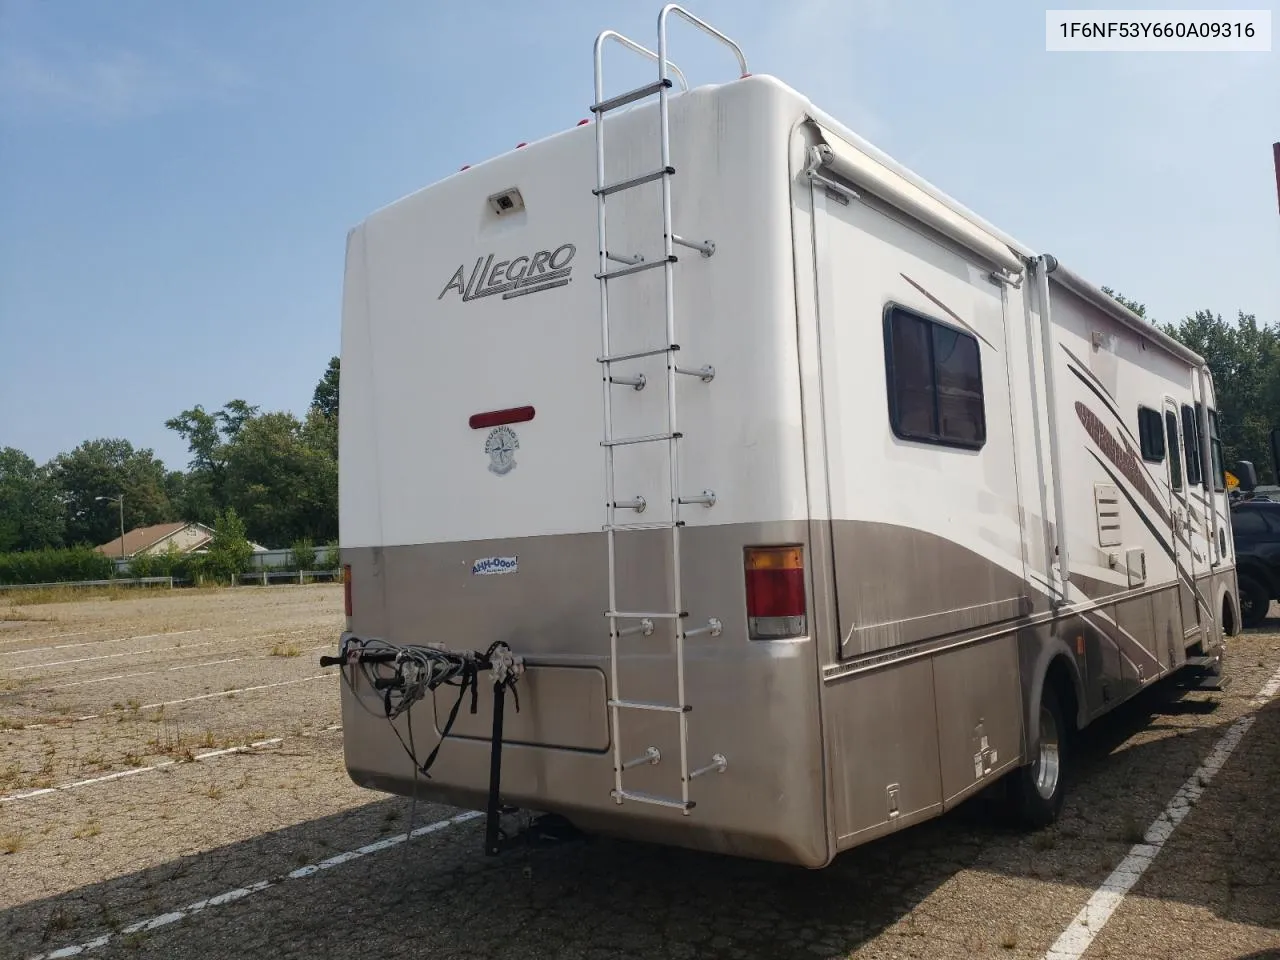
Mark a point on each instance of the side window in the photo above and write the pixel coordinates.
(1215, 449)
(934, 375)
(1175, 461)
(1191, 441)
(1150, 435)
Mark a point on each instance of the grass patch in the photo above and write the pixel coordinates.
(286, 650)
(1134, 832)
(1044, 841)
(214, 792)
(7, 723)
(1009, 940)
(90, 829)
(11, 843)
(60, 919)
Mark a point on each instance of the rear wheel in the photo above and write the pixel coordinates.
(1255, 600)
(1037, 789)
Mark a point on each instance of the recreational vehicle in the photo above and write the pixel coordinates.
(762, 498)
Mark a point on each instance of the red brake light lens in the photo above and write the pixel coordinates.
(775, 592)
(346, 588)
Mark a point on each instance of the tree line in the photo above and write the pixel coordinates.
(276, 473)
(279, 474)
(1244, 358)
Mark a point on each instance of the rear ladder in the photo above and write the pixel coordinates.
(641, 623)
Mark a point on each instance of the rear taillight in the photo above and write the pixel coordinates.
(775, 592)
(346, 588)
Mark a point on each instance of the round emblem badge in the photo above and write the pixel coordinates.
(501, 446)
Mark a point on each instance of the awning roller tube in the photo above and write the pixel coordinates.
(858, 168)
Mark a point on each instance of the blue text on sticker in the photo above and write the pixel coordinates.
(492, 565)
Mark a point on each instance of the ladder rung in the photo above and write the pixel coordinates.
(643, 616)
(631, 96)
(649, 705)
(633, 182)
(651, 798)
(650, 438)
(627, 271)
(617, 357)
(651, 525)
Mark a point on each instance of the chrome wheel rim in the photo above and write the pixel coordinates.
(1048, 765)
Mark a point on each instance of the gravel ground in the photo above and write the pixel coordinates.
(236, 850)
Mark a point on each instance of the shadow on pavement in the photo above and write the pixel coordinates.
(609, 898)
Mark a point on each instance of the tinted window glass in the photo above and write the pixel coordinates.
(1248, 522)
(935, 381)
(1150, 435)
(913, 376)
(1175, 462)
(959, 385)
(1190, 440)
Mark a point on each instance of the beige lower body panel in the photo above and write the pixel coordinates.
(756, 703)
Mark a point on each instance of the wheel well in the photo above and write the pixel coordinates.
(1061, 679)
(1230, 622)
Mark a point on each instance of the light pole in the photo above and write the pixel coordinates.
(119, 500)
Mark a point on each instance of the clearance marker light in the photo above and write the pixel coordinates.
(496, 418)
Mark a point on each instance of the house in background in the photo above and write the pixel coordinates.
(186, 537)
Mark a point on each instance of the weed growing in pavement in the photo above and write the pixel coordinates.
(1009, 940)
(90, 829)
(12, 842)
(1133, 831)
(60, 919)
(286, 650)
(132, 759)
(214, 792)
(7, 723)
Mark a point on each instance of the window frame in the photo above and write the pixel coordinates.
(1191, 446)
(1172, 445)
(1146, 416)
(893, 308)
(1216, 462)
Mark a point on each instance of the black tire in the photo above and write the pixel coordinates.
(1255, 600)
(1035, 801)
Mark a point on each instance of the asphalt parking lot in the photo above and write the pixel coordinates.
(171, 786)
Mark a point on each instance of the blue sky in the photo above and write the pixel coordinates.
(177, 180)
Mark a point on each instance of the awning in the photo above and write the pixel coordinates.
(851, 164)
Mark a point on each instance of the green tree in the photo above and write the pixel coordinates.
(208, 434)
(31, 510)
(229, 551)
(1139, 308)
(1244, 359)
(109, 468)
(282, 478)
(325, 398)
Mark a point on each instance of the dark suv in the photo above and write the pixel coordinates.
(1255, 526)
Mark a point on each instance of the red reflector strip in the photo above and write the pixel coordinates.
(495, 418)
(346, 588)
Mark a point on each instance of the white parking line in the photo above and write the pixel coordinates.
(145, 673)
(173, 703)
(231, 896)
(143, 653)
(52, 636)
(210, 696)
(1088, 923)
(123, 653)
(45, 791)
(94, 643)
